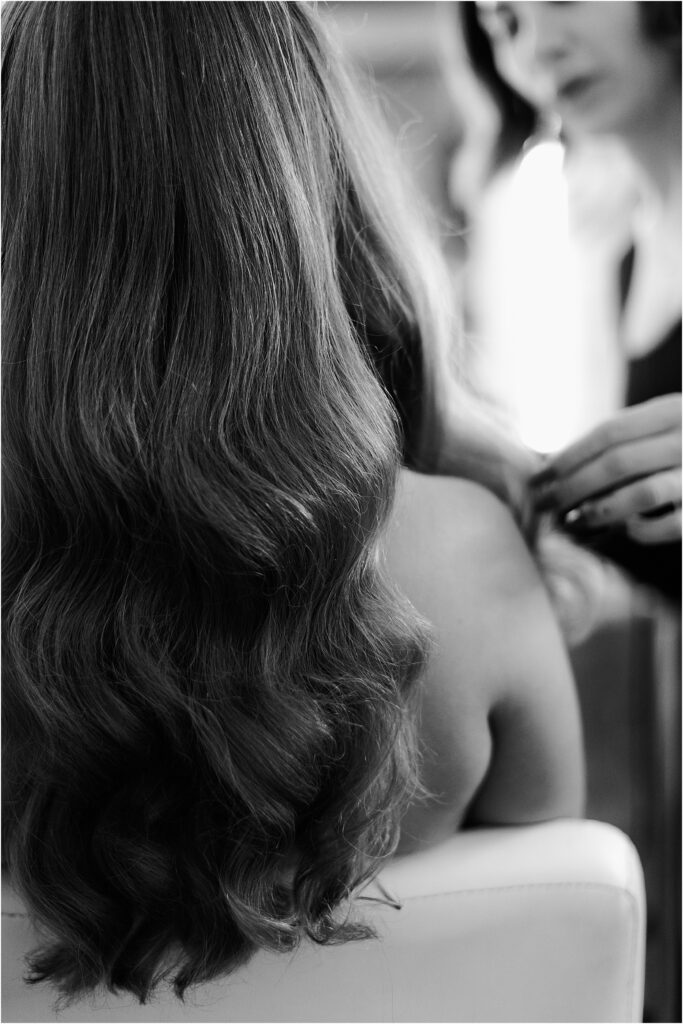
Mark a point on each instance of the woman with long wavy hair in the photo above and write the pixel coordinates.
(213, 289)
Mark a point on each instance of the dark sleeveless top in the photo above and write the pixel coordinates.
(656, 373)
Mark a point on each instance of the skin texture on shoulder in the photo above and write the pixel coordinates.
(499, 721)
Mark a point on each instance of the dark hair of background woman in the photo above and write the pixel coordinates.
(661, 22)
(517, 116)
(207, 682)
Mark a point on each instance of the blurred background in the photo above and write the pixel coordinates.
(531, 249)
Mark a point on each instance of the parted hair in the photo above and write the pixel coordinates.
(208, 684)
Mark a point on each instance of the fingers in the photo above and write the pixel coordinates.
(624, 474)
(661, 530)
(646, 495)
(637, 463)
(660, 415)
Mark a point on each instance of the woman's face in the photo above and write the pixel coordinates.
(605, 75)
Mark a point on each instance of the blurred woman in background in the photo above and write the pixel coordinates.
(613, 71)
(224, 328)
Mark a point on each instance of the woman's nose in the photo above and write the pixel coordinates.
(548, 37)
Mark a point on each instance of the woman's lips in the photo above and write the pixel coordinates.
(575, 88)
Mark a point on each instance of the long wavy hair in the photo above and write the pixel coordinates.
(208, 684)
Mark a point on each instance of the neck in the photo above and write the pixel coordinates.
(656, 148)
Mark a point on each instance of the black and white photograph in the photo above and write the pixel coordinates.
(341, 511)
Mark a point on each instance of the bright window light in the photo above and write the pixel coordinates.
(536, 356)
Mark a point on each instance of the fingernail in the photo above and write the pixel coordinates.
(661, 510)
(575, 519)
(583, 519)
(594, 515)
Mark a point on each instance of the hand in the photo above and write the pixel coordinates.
(625, 473)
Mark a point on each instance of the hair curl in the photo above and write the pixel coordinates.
(207, 700)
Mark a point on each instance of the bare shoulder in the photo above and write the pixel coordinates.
(452, 538)
(499, 666)
(417, 491)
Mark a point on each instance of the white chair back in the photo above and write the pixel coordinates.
(537, 923)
